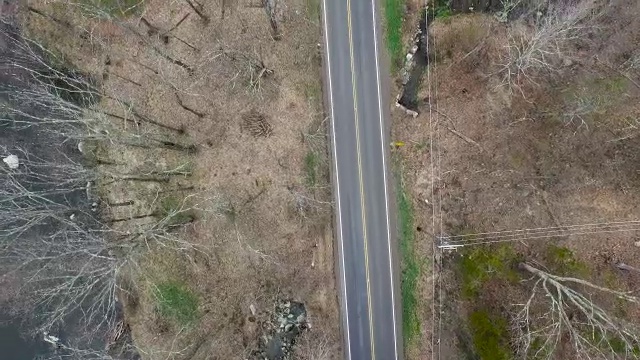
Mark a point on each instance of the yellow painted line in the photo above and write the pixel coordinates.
(362, 200)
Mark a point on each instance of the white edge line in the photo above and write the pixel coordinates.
(384, 168)
(337, 197)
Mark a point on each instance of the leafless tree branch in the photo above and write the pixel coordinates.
(560, 308)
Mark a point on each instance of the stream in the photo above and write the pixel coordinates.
(414, 72)
(14, 346)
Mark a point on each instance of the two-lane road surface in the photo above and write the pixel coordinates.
(366, 237)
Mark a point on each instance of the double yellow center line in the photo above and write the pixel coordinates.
(360, 178)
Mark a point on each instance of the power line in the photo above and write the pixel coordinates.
(541, 229)
(489, 240)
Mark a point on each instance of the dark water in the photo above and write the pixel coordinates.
(14, 346)
(409, 98)
(45, 145)
(58, 173)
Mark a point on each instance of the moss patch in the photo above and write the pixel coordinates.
(563, 262)
(490, 336)
(481, 264)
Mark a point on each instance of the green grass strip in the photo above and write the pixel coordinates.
(410, 266)
(393, 31)
(311, 162)
(177, 302)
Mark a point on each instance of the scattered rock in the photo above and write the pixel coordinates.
(637, 243)
(281, 330)
(12, 161)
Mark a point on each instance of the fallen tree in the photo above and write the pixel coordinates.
(561, 312)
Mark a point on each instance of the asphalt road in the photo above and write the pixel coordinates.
(366, 235)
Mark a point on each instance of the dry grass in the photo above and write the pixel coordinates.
(255, 246)
(461, 38)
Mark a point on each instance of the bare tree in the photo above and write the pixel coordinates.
(53, 241)
(315, 347)
(561, 309)
(540, 48)
(67, 103)
(69, 259)
(56, 241)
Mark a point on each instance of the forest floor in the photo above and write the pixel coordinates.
(513, 170)
(234, 88)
